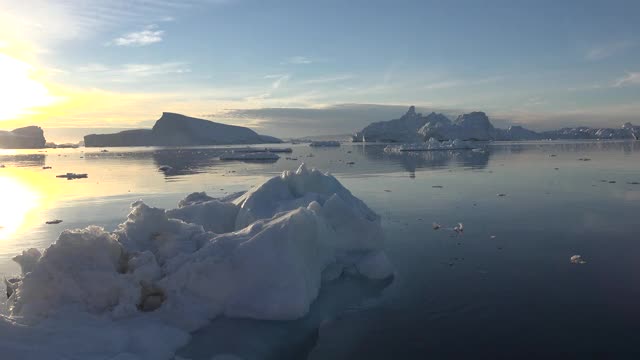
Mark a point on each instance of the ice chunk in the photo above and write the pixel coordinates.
(27, 260)
(134, 293)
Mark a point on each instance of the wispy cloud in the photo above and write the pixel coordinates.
(329, 79)
(446, 84)
(632, 78)
(132, 72)
(149, 35)
(299, 60)
(279, 79)
(601, 52)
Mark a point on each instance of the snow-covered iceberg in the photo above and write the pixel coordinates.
(137, 292)
(413, 127)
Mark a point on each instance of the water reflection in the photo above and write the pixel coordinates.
(254, 339)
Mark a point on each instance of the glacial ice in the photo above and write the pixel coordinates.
(431, 145)
(137, 292)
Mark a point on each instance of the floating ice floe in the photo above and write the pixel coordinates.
(262, 150)
(324, 143)
(254, 156)
(431, 145)
(577, 259)
(71, 176)
(137, 292)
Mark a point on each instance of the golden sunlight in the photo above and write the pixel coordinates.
(19, 91)
(17, 201)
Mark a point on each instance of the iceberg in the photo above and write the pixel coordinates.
(413, 127)
(137, 292)
(179, 130)
(30, 137)
(431, 145)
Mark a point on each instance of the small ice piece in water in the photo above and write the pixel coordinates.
(165, 168)
(459, 228)
(436, 226)
(53, 222)
(577, 259)
(71, 176)
(492, 237)
(437, 186)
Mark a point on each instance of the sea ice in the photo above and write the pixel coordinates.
(330, 143)
(431, 145)
(137, 292)
(256, 156)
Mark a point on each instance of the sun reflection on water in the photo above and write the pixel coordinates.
(16, 200)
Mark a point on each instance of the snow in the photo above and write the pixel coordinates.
(330, 143)
(264, 156)
(431, 145)
(137, 292)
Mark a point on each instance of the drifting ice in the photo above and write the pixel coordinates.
(137, 292)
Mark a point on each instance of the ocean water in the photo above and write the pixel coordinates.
(504, 288)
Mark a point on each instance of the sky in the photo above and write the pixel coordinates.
(297, 67)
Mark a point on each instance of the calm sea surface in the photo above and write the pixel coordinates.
(504, 288)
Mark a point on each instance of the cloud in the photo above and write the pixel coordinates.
(132, 72)
(632, 78)
(280, 79)
(329, 79)
(299, 60)
(150, 35)
(325, 120)
(447, 84)
(607, 50)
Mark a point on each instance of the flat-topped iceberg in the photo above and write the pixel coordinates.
(431, 145)
(137, 292)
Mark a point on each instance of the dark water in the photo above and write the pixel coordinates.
(504, 288)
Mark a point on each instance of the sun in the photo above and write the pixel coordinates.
(20, 92)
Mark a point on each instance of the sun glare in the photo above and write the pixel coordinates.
(17, 200)
(19, 91)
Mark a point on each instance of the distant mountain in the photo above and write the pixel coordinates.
(413, 127)
(30, 137)
(180, 130)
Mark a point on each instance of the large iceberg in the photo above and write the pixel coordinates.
(30, 137)
(413, 127)
(179, 130)
(137, 292)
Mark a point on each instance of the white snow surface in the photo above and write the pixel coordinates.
(263, 254)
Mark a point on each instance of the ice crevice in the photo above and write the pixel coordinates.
(138, 291)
